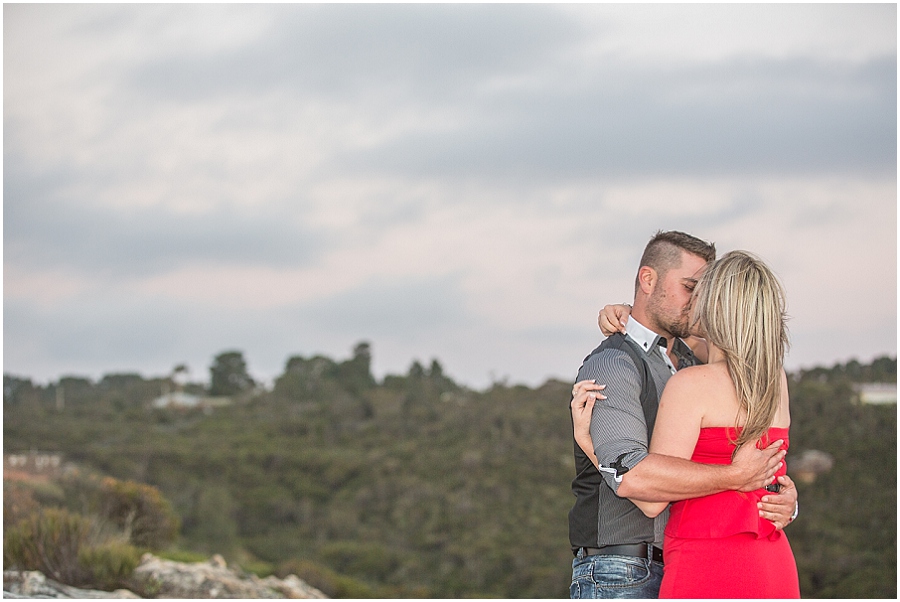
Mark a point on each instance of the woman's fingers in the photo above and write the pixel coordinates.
(586, 385)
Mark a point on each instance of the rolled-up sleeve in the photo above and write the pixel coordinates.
(618, 427)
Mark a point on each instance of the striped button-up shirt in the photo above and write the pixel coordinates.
(618, 425)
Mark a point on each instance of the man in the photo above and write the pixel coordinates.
(618, 549)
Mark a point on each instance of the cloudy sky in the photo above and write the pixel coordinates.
(463, 182)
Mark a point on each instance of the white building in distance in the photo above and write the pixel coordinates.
(877, 393)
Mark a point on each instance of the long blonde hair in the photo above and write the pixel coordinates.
(740, 307)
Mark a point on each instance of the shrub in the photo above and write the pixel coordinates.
(18, 503)
(109, 564)
(140, 510)
(68, 548)
(49, 541)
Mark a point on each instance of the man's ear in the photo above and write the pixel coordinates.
(647, 279)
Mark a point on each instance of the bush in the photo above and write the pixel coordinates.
(109, 564)
(140, 510)
(68, 548)
(18, 503)
(49, 541)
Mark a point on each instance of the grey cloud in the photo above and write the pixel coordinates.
(607, 119)
(562, 123)
(92, 330)
(336, 51)
(757, 117)
(43, 228)
(429, 302)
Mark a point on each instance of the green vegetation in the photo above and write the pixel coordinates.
(415, 486)
(82, 530)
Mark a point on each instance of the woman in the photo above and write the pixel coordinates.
(718, 546)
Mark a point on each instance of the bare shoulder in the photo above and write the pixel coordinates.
(701, 376)
(783, 414)
(696, 389)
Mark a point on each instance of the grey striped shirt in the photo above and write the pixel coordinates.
(618, 427)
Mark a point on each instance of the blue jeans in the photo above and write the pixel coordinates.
(611, 576)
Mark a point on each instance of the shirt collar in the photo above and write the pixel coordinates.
(648, 340)
(643, 336)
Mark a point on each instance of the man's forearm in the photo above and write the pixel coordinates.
(659, 478)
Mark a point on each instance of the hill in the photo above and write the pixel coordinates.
(417, 487)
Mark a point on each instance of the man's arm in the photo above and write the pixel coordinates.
(668, 475)
(707, 475)
(659, 478)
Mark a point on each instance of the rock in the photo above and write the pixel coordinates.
(810, 464)
(158, 578)
(33, 584)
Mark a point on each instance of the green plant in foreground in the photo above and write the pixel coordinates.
(109, 563)
(68, 548)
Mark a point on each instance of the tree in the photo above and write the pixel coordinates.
(355, 374)
(14, 387)
(228, 374)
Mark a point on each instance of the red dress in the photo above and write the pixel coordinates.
(718, 546)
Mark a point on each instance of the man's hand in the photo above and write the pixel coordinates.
(779, 507)
(612, 318)
(755, 468)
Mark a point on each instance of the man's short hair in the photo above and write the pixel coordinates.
(663, 252)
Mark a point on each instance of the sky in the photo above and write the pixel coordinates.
(468, 183)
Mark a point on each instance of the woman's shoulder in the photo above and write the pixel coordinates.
(698, 385)
(700, 375)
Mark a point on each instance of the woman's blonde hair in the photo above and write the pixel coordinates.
(740, 307)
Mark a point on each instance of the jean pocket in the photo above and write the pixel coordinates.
(622, 571)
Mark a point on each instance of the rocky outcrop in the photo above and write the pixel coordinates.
(33, 584)
(158, 578)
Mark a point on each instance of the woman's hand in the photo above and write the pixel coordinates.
(584, 394)
(612, 318)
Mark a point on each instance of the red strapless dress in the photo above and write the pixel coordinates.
(717, 546)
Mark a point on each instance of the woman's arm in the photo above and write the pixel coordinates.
(584, 394)
(677, 426)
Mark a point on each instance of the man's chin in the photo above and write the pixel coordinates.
(680, 331)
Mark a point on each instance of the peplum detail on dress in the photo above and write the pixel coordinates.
(729, 512)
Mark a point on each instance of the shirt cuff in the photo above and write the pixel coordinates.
(614, 468)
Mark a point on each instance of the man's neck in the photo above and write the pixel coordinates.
(641, 316)
(651, 325)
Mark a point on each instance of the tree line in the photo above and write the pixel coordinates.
(416, 486)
